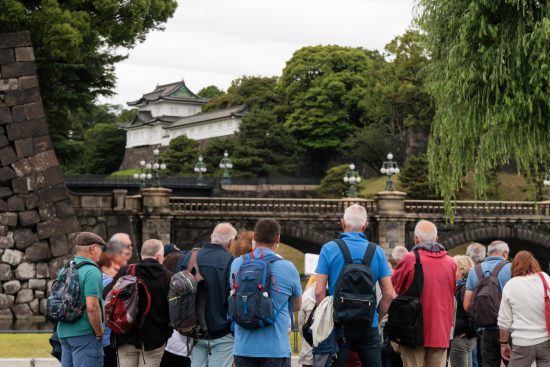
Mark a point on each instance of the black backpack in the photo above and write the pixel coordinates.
(405, 324)
(464, 323)
(486, 301)
(354, 296)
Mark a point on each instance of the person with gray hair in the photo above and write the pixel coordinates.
(214, 262)
(496, 261)
(354, 244)
(148, 337)
(123, 238)
(476, 252)
(397, 254)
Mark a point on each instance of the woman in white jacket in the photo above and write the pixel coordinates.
(522, 313)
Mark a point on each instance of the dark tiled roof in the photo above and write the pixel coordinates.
(145, 118)
(170, 92)
(209, 116)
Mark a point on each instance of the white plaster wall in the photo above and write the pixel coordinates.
(146, 135)
(208, 130)
(172, 109)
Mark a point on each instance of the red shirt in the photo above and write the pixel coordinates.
(437, 295)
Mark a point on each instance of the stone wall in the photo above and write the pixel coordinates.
(37, 221)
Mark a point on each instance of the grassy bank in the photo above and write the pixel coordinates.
(25, 346)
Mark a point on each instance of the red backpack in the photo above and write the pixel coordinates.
(121, 304)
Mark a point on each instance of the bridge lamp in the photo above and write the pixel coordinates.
(158, 165)
(547, 182)
(142, 173)
(226, 165)
(200, 168)
(389, 168)
(352, 178)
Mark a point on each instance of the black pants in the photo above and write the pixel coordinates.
(261, 362)
(110, 359)
(366, 342)
(490, 348)
(174, 360)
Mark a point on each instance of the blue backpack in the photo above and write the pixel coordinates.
(250, 302)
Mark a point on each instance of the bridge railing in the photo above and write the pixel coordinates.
(476, 208)
(266, 205)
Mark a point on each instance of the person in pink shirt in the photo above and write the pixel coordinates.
(437, 296)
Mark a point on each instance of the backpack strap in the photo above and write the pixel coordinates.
(81, 264)
(369, 254)
(194, 265)
(132, 269)
(479, 272)
(498, 268)
(345, 251)
(417, 284)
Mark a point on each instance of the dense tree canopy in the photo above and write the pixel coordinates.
(104, 146)
(75, 44)
(210, 92)
(180, 156)
(490, 78)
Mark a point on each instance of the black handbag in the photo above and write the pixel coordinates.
(307, 334)
(405, 324)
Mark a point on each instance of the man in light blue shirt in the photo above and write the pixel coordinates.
(269, 346)
(366, 341)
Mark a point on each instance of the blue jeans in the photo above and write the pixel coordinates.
(221, 352)
(81, 351)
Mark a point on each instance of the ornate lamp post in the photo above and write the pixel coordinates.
(547, 182)
(389, 168)
(158, 166)
(352, 177)
(200, 168)
(147, 170)
(143, 174)
(226, 165)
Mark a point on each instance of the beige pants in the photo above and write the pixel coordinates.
(423, 357)
(130, 356)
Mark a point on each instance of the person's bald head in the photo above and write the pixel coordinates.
(425, 231)
(152, 249)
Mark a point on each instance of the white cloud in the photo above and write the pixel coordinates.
(215, 41)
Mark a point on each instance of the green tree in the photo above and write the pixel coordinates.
(180, 156)
(489, 76)
(333, 185)
(255, 91)
(211, 92)
(105, 144)
(76, 44)
(369, 145)
(414, 178)
(213, 153)
(324, 86)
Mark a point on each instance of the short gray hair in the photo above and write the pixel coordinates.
(425, 231)
(121, 237)
(116, 247)
(355, 217)
(398, 253)
(497, 246)
(476, 252)
(151, 248)
(223, 233)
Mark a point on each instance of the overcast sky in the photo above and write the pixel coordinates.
(215, 41)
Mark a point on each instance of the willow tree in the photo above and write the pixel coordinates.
(490, 77)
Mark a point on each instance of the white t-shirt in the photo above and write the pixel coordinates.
(177, 344)
(522, 310)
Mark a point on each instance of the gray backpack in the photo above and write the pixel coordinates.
(487, 297)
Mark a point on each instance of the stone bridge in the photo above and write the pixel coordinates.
(308, 223)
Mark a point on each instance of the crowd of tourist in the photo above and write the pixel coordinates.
(416, 307)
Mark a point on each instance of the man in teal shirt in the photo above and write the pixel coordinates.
(81, 340)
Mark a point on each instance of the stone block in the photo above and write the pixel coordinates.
(64, 209)
(23, 167)
(5, 115)
(37, 284)
(36, 181)
(7, 241)
(15, 39)
(3, 206)
(54, 176)
(18, 113)
(3, 301)
(19, 97)
(42, 271)
(42, 144)
(24, 147)
(16, 204)
(29, 217)
(25, 271)
(8, 85)
(11, 300)
(7, 155)
(55, 265)
(34, 305)
(12, 287)
(3, 231)
(47, 212)
(44, 160)
(34, 110)
(24, 237)
(31, 200)
(6, 315)
(3, 140)
(22, 312)
(12, 257)
(24, 54)
(5, 192)
(42, 306)
(8, 219)
(19, 186)
(56, 227)
(53, 194)
(17, 69)
(6, 56)
(5, 272)
(24, 296)
(40, 294)
(49, 284)
(27, 129)
(59, 246)
(38, 251)
(26, 82)
(6, 174)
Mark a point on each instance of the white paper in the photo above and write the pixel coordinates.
(310, 265)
